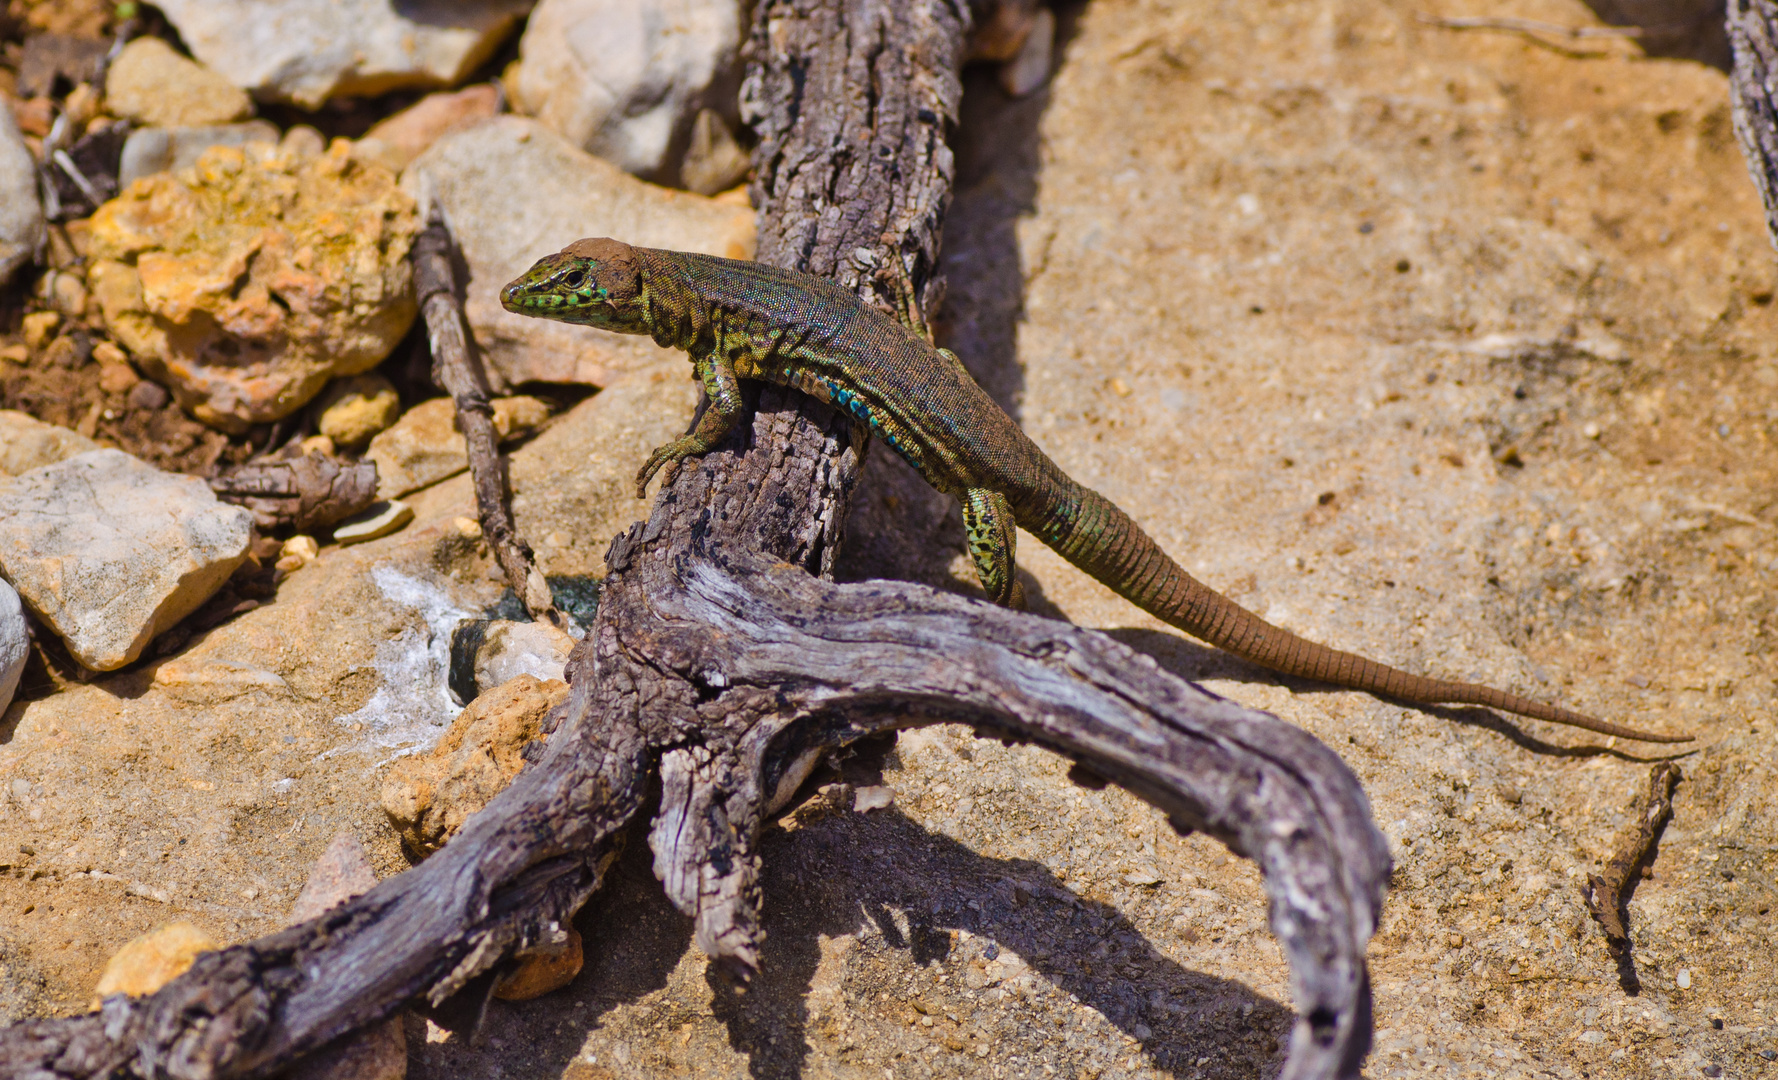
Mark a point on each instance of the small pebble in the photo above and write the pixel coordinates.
(304, 547)
(1684, 979)
(1769, 1055)
(380, 520)
(1591, 431)
(148, 396)
(1455, 940)
(468, 528)
(1713, 1070)
(873, 798)
(39, 325)
(149, 962)
(319, 444)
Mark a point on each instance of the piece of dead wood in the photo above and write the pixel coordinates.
(308, 493)
(457, 368)
(1753, 88)
(1605, 893)
(723, 656)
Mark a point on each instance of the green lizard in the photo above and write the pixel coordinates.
(741, 320)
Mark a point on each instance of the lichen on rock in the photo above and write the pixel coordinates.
(247, 282)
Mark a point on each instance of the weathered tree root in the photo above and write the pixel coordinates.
(721, 657)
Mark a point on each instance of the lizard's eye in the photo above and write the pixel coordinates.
(575, 279)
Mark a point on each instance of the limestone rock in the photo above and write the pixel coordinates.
(15, 644)
(405, 136)
(153, 960)
(306, 51)
(623, 79)
(424, 446)
(21, 212)
(509, 649)
(247, 282)
(355, 409)
(568, 195)
(428, 798)
(151, 84)
(28, 443)
(110, 551)
(169, 149)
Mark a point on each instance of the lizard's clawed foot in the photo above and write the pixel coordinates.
(670, 456)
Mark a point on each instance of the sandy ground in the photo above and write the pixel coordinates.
(1446, 347)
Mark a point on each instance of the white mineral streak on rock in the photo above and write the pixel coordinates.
(624, 79)
(411, 706)
(110, 551)
(21, 214)
(306, 51)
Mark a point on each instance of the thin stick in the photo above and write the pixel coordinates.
(456, 366)
(1605, 892)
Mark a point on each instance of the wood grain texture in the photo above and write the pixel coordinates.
(1753, 87)
(723, 656)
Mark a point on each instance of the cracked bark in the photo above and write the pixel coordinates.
(1753, 88)
(724, 657)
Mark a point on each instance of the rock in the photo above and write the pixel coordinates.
(39, 327)
(247, 282)
(15, 644)
(873, 797)
(169, 149)
(355, 409)
(1030, 68)
(151, 84)
(405, 136)
(569, 195)
(149, 396)
(501, 650)
(110, 552)
(306, 51)
(623, 79)
(379, 521)
(296, 553)
(27, 443)
(424, 446)
(153, 960)
(428, 798)
(21, 211)
(342, 872)
(713, 161)
(116, 376)
(546, 969)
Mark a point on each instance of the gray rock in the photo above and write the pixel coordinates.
(28, 443)
(21, 213)
(568, 194)
(110, 551)
(15, 643)
(152, 150)
(625, 78)
(306, 51)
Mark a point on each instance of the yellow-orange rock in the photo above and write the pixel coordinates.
(429, 798)
(541, 972)
(153, 960)
(247, 282)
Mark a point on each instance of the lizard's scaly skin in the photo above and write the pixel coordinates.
(741, 320)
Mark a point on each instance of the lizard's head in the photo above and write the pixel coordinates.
(593, 282)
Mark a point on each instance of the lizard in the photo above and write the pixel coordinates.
(744, 320)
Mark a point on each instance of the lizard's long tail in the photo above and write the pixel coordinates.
(1103, 541)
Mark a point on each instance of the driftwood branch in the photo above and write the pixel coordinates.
(723, 657)
(457, 368)
(1753, 87)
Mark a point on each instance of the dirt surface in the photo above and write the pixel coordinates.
(1446, 347)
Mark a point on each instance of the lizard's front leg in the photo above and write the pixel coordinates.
(993, 537)
(717, 374)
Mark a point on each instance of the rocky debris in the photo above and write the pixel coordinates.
(714, 161)
(568, 195)
(170, 149)
(352, 411)
(306, 51)
(342, 872)
(15, 643)
(110, 552)
(623, 79)
(247, 282)
(381, 519)
(405, 136)
(427, 798)
(424, 446)
(21, 212)
(296, 553)
(546, 968)
(153, 960)
(27, 443)
(303, 491)
(151, 84)
(486, 653)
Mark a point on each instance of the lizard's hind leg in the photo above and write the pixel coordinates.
(725, 411)
(993, 537)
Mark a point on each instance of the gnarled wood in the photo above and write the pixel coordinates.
(721, 655)
(1753, 87)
